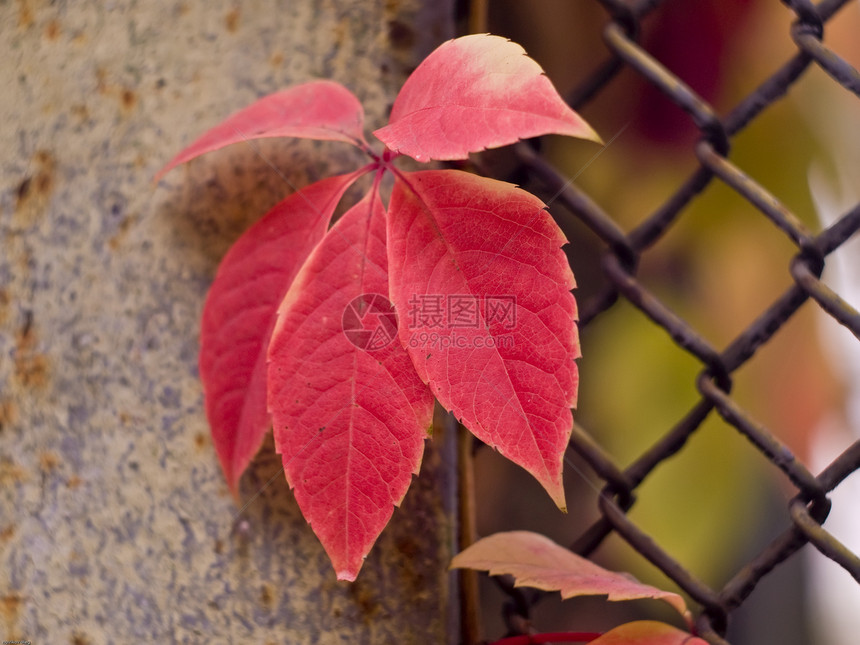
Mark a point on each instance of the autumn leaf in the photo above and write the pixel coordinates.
(647, 632)
(239, 315)
(536, 561)
(473, 93)
(505, 364)
(350, 416)
(316, 110)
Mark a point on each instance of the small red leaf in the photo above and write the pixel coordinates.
(536, 561)
(647, 632)
(472, 93)
(482, 288)
(239, 315)
(315, 110)
(350, 416)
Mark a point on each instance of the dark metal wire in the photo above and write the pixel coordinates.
(806, 512)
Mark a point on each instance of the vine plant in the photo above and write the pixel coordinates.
(340, 337)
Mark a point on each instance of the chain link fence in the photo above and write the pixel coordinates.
(623, 250)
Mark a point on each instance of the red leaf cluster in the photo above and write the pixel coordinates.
(340, 337)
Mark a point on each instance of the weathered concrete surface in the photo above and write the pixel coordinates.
(115, 523)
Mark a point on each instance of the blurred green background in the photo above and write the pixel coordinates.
(718, 502)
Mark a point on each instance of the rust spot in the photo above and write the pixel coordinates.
(277, 59)
(31, 367)
(80, 112)
(6, 534)
(5, 300)
(365, 600)
(25, 14)
(219, 546)
(118, 238)
(267, 597)
(31, 195)
(48, 462)
(10, 607)
(23, 190)
(52, 30)
(8, 413)
(408, 546)
(31, 370)
(79, 639)
(231, 20)
(200, 440)
(10, 472)
(124, 418)
(128, 99)
(73, 482)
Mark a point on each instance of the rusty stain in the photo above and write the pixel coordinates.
(8, 413)
(10, 472)
(31, 370)
(341, 31)
(31, 367)
(73, 482)
(10, 607)
(118, 238)
(7, 533)
(408, 546)
(52, 30)
(128, 99)
(33, 191)
(231, 20)
(267, 596)
(277, 59)
(79, 639)
(79, 111)
(25, 14)
(200, 440)
(219, 546)
(48, 461)
(365, 600)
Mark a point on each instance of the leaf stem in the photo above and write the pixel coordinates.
(468, 534)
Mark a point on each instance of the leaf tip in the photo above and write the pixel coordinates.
(556, 491)
(347, 575)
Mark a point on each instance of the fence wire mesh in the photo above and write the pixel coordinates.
(807, 510)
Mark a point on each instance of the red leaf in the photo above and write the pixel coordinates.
(473, 93)
(349, 423)
(536, 561)
(647, 632)
(239, 315)
(315, 110)
(499, 352)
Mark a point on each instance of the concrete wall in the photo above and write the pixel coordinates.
(115, 523)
